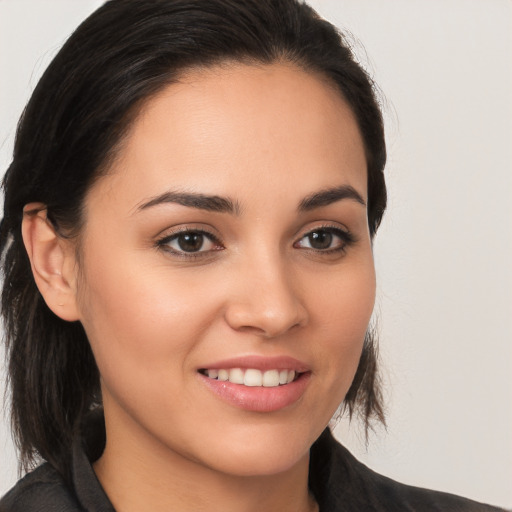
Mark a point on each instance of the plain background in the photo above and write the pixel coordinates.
(444, 251)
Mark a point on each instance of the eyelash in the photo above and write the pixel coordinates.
(347, 239)
(164, 242)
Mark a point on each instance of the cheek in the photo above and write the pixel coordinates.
(343, 314)
(138, 319)
(143, 327)
(346, 298)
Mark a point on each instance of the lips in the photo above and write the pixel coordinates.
(256, 383)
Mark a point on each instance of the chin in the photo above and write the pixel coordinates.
(261, 463)
(265, 453)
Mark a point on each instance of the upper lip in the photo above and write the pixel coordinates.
(259, 363)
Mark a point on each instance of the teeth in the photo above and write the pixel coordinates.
(253, 377)
(271, 379)
(236, 375)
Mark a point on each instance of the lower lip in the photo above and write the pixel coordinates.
(258, 398)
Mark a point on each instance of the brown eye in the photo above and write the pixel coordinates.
(325, 240)
(190, 242)
(320, 239)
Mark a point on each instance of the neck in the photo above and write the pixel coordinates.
(132, 486)
(139, 474)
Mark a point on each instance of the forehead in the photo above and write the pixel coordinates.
(237, 128)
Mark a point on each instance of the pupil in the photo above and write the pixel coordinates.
(190, 242)
(320, 239)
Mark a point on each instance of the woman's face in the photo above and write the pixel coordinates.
(229, 241)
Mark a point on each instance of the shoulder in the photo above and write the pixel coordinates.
(344, 483)
(41, 490)
(390, 493)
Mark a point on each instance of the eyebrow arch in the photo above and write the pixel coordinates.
(193, 200)
(329, 196)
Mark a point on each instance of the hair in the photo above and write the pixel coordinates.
(118, 58)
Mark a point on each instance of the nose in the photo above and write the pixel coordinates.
(267, 301)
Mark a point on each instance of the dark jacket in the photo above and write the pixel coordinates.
(338, 481)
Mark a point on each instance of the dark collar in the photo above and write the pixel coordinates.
(87, 449)
(337, 480)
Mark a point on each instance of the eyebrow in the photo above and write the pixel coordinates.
(193, 200)
(329, 196)
(219, 204)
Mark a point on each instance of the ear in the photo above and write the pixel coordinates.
(52, 259)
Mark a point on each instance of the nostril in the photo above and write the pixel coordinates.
(268, 318)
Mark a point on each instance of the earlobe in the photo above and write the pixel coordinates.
(52, 260)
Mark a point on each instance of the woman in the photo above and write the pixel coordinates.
(197, 186)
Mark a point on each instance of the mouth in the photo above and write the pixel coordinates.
(253, 377)
(255, 383)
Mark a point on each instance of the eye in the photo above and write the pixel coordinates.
(326, 239)
(190, 242)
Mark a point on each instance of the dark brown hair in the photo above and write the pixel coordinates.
(123, 54)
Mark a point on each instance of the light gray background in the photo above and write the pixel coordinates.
(444, 252)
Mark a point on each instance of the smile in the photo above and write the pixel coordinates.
(253, 377)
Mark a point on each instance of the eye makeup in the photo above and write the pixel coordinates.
(190, 242)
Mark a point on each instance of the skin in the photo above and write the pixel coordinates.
(266, 137)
